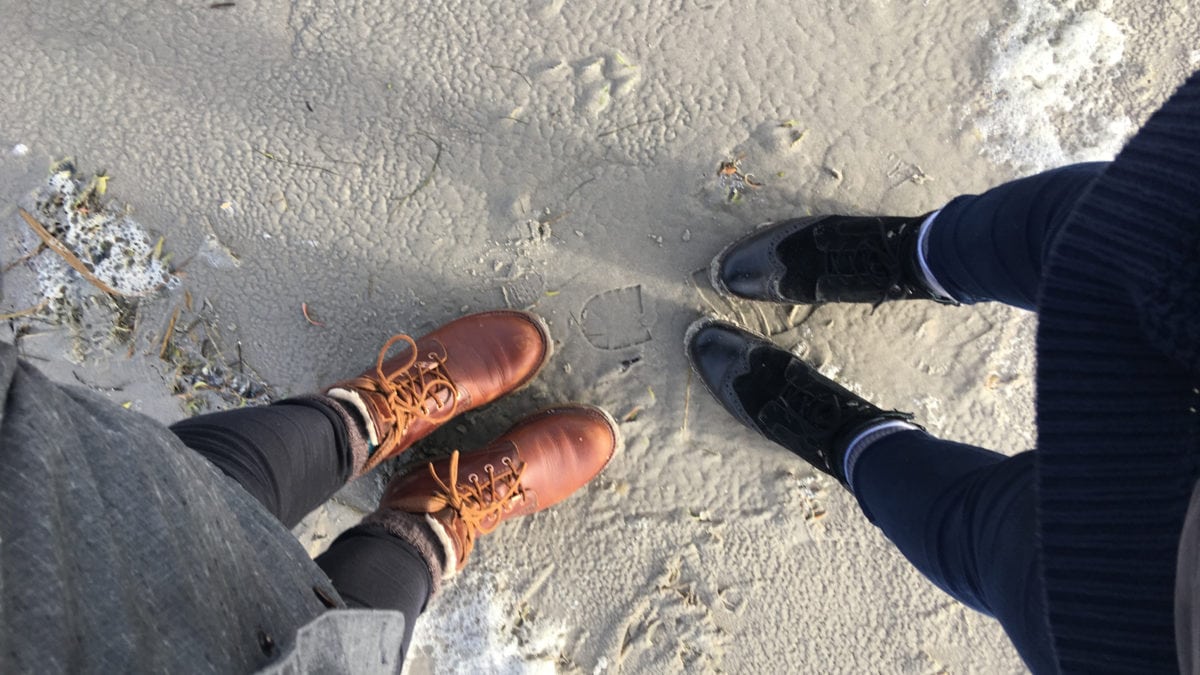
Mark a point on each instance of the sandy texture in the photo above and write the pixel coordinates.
(394, 165)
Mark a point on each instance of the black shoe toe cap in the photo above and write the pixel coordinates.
(714, 347)
(745, 270)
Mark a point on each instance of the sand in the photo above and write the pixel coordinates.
(392, 166)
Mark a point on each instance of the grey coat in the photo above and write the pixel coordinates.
(121, 550)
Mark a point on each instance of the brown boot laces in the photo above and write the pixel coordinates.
(479, 504)
(409, 393)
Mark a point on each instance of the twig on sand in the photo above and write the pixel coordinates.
(32, 254)
(578, 188)
(166, 343)
(23, 312)
(72, 260)
(512, 70)
(299, 165)
(548, 220)
(652, 120)
(437, 158)
(304, 311)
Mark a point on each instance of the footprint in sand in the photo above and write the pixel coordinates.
(674, 625)
(598, 79)
(618, 318)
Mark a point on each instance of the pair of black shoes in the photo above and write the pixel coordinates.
(803, 261)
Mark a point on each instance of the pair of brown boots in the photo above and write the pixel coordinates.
(463, 365)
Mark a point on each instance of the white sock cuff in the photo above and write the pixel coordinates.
(865, 438)
(355, 401)
(922, 244)
(450, 569)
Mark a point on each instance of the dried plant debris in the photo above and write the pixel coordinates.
(734, 182)
(113, 247)
(208, 374)
(100, 275)
(92, 263)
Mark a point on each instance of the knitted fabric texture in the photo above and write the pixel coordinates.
(356, 434)
(1118, 350)
(412, 528)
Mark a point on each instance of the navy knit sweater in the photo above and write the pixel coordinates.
(1118, 375)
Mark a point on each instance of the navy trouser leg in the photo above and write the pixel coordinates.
(990, 247)
(964, 517)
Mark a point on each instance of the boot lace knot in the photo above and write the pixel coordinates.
(420, 388)
(480, 502)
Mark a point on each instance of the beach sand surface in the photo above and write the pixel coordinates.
(390, 166)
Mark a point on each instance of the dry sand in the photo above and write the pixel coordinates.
(394, 165)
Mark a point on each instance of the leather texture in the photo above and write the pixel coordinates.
(536, 464)
(824, 259)
(462, 365)
(798, 408)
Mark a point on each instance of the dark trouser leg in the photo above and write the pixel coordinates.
(374, 569)
(965, 517)
(291, 456)
(991, 247)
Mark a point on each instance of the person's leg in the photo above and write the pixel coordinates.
(991, 247)
(964, 517)
(391, 561)
(429, 519)
(291, 456)
(295, 454)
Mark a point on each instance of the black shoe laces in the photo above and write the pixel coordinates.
(808, 413)
(878, 261)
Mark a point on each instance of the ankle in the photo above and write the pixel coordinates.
(357, 432)
(923, 270)
(425, 535)
(864, 436)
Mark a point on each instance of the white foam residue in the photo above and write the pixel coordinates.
(114, 247)
(101, 238)
(1048, 83)
(20, 150)
(469, 632)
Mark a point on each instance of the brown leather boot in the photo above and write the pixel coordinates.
(537, 463)
(465, 364)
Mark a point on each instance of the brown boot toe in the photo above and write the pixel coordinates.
(464, 364)
(537, 463)
(495, 352)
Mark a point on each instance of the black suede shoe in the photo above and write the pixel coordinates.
(773, 392)
(825, 259)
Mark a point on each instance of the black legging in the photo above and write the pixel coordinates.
(292, 456)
